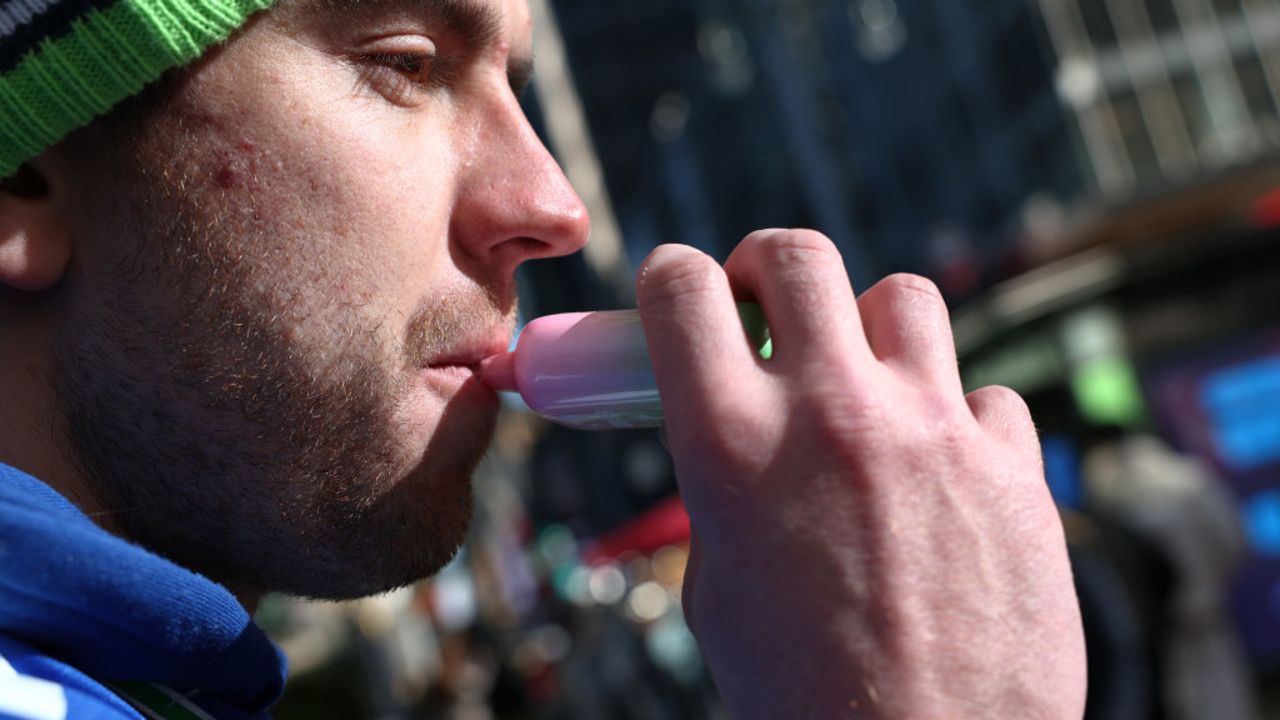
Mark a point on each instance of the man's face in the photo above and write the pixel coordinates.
(281, 279)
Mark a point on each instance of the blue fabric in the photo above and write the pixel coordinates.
(78, 604)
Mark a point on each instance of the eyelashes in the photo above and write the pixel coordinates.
(403, 77)
(415, 66)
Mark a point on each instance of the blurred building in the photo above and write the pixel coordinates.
(910, 131)
(921, 135)
(1166, 90)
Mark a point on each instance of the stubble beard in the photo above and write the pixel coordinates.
(211, 435)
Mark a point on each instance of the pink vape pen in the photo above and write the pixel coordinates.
(591, 370)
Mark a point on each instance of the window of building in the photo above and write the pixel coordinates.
(1097, 23)
(1195, 110)
(1226, 8)
(962, 133)
(1193, 13)
(1108, 163)
(1066, 28)
(917, 176)
(1257, 93)
(1136, 136)
(1164, 18)
(1018, 62)
(1052, 166)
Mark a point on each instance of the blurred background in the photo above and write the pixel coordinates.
(1094, 184)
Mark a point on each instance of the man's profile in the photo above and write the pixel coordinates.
(240, 315)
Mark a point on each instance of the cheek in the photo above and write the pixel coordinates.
(391, 198)
(236, 168)
(323, 196)
(359, 211)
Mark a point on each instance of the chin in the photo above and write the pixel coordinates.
(405, 535)
(415, 526)
(384, 529)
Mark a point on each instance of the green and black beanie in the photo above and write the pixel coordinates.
(64, 62)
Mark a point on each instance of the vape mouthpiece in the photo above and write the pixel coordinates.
(591, 371)
(499, 371)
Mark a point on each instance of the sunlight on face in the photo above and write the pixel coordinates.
(308, 243)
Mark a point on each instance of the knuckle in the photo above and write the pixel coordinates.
(910, 285)
(672, 272)
(997, 405)
(781, 248)
(1002, 398)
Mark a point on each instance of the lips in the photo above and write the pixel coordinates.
(470, 352)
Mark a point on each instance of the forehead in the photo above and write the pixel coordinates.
(506, 21)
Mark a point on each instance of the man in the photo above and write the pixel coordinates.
(240, 317)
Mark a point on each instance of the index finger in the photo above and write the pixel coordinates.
(696, 341)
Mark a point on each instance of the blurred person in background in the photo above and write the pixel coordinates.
(241, 311)
(1175, 502)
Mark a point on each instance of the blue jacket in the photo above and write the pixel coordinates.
(81, 608)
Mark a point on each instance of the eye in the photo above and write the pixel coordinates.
(401, 68)
(413, 66)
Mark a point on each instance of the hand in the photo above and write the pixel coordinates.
(868, 540)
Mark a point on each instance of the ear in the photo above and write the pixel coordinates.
(35, 247)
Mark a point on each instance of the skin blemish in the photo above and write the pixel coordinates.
(228, 177)
(238, 168)
(501, 51)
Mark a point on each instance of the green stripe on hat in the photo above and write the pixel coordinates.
(107, 56)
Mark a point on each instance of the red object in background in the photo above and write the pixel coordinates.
(1266, 210)
(664, 524)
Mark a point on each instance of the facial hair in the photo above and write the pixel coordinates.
(216, 434)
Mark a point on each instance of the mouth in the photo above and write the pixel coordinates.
(465, 356)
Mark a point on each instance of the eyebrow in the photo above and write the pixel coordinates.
(476, 22)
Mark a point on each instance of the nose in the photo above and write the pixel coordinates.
(514, 203)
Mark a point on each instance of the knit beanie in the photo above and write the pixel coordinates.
(64, 62)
